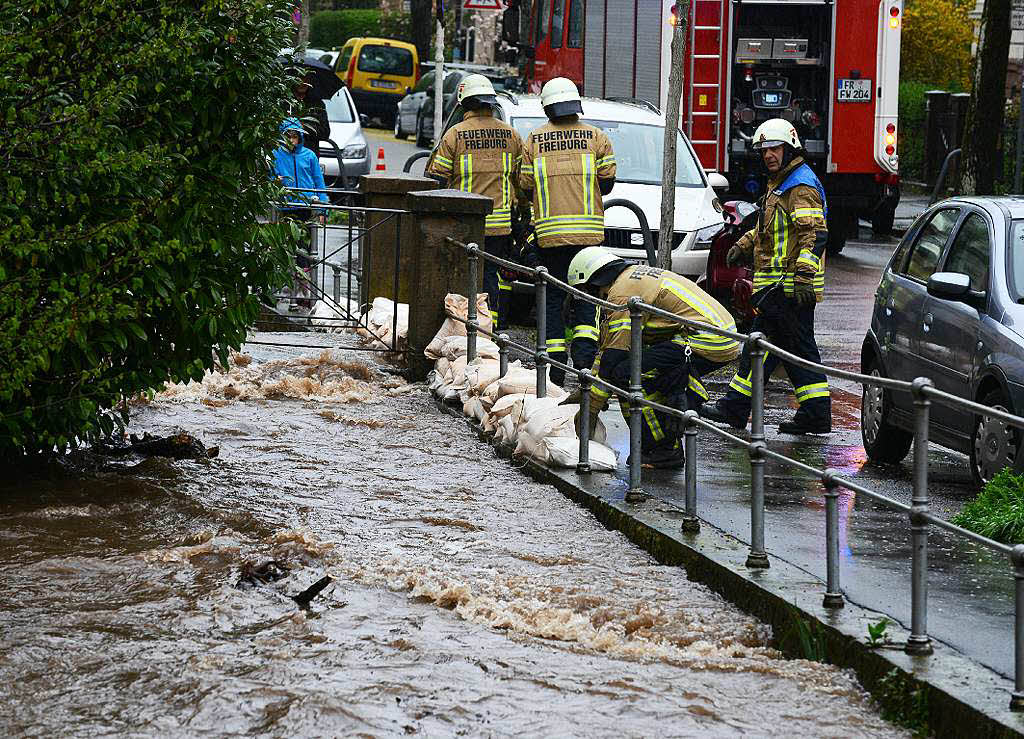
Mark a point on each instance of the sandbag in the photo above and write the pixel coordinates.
(501, 408)
(542, 423)
(456, 346)
(506, 431)
(480, 374)
(459, 306)
(327, 317)
(524, 381)
(563, 451)
(378, 322)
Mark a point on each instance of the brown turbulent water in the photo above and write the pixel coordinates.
(467, 600)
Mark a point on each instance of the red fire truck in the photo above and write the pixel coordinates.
(829, 66)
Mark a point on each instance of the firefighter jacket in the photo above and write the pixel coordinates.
(562, 164)
(482, 155)
(672, 293)
(788, 241)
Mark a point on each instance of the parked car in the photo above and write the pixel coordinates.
(636, 130)
(347, 134)
(378, 72)
(425, 117)
(407, 116)
(949, 307)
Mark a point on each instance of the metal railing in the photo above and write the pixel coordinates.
(921, 389)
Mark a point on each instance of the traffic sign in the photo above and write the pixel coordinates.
(482, 5)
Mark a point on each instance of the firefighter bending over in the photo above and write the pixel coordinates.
(675, 357)
(788, 251)
(567, 167)
(482, 154)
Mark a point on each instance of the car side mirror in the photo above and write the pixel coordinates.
(949, 286)
(408, 89)
(364, 120)
(718, 181)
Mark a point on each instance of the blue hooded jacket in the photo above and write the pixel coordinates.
(299, 168)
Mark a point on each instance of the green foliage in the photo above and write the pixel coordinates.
(135, 140)
(936, 43)
(805, 638)
(876, 632)
(332, 28)
(998, 511)
(903, 702)
(912, 112)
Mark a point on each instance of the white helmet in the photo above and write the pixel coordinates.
(477, 86)
(775, 132)
(560, 97)
(589, 262)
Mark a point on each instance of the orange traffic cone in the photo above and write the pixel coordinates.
(380, 160)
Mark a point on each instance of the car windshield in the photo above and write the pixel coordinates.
(339, 110)
(385, 60)
(638, 151)
(1016, 260)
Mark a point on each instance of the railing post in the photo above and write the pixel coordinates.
(502, 355)
(690, 523)
(540, 291)
(758, 557)
(471, 309)
(584, 464)
(833, 594)
(636, 394)
(919, 642)
(1017, 698)
(337, 285)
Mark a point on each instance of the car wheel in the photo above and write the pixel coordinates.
(421, 139)
(399, 133)
(883, 441)
(994, 444)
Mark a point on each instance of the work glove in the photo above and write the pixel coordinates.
(804, 295)
(529, 255)
(735, 255)
(572, 398)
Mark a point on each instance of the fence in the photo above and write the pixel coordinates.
(921, 389)
(345, 244)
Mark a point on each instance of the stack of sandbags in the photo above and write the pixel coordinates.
(459, 305)
(376, 325)
(548, 434)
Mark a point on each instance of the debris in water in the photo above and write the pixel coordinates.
(175, 446)
(254, 574)
(312, 591)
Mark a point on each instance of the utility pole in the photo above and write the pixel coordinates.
(439, 71)
(680, 13)
(979, 164)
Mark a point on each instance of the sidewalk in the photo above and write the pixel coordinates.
(909, 208)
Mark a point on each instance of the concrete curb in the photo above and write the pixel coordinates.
(945, 694)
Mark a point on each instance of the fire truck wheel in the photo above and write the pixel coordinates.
(882, 220)
(841, 226)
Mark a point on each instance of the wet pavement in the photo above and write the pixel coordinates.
(466, 599)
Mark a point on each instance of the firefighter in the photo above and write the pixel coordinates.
(482, 154)
(675, 357)
(567, 167)
(788, 250)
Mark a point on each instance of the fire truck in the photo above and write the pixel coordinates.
(831, 67)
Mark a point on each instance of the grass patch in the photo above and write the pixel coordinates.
(998, 511)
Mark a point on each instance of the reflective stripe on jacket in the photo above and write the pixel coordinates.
(562, 164)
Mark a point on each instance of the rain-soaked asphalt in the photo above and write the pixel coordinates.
(467, 600)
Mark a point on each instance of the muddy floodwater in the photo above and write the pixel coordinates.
(467, 600)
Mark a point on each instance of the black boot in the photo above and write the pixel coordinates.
(662, 458)
(717, 413)
(806, 426)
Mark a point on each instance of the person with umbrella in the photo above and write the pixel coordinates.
(318, 83)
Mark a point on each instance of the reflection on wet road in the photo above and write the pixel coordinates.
(466, 599)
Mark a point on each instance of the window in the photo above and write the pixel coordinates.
(451, 82)
(969, 253)
(426, 82)
(1015, 247)
(557, 23)
(385, 60)
(541, 30)
(338, 108)
(575, 40)
(346, 55)
(925, 253)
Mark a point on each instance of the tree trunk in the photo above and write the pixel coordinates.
(980, 164)
(422, 12)
(303, 35)
(668, 170)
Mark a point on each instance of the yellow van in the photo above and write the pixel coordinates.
(378, 73)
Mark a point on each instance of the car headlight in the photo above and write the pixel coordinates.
(354, 151)
(707, 234)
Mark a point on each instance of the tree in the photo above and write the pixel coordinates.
(980, 164)
(423, 25)
(134, 143)
(936, 43)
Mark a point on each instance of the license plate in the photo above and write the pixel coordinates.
(387, 84)
(854, 91)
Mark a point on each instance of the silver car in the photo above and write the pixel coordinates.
(347, 135)
(949, 307)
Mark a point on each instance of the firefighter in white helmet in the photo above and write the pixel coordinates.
(482, 154)
(787, 247)
(675, 356)
(567, 167)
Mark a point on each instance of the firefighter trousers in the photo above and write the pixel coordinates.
(667, 378)
(581, 335)
(494, 286)
(791, 328)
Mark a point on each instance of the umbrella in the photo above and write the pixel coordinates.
(323, 79)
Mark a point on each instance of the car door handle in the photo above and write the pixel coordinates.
(928, 321)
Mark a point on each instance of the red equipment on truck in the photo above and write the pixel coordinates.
(831, 67)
